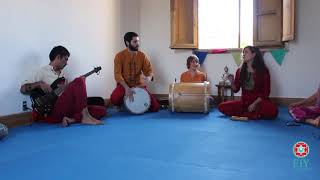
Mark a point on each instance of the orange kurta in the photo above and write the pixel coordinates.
(187, 77)
(129, 67)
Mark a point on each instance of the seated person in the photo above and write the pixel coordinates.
(307, 110)
(193, 75)
(254, 79)
(71, 105)
(129, 65)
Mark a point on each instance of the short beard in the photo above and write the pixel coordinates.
(131, 48)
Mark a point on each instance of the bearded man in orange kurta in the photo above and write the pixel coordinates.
(129, 65)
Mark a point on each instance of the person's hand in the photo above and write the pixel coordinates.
(148, 79)
(231, 78)
(83, 78)
(60, 88)
(252, 107)
(129, 94)
(45, 87)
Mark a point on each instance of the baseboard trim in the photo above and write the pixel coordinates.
(18, 119)
(284, 101)
(25, 118)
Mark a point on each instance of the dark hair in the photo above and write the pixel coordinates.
(257, 64)
(128, 37)
(58, 51)
(190, 59)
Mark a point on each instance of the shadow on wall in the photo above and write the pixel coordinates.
(24, 67)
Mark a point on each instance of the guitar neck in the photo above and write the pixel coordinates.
(59, 90)
(89, 73)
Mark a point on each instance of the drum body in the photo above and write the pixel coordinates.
(189, 97)
(141, 101)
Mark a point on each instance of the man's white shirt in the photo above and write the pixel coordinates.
(45, 74)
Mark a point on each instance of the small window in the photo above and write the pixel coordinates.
(184, 24)
(211, 24)
(229, 26)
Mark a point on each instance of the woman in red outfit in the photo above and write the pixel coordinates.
(254, 80)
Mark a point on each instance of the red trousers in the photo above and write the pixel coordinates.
(301, 113)
(265, 110)
(118, 95)
(71, 103)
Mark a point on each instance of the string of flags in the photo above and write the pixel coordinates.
(277, 54)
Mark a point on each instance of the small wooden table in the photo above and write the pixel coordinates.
(221, 92)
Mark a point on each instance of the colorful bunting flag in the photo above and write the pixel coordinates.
(201, 55)
(237, 57)
(278, 55)
(218, 51)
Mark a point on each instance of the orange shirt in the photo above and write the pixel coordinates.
(187, 77)
(130, 66)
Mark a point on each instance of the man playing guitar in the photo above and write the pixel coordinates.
(71, 105)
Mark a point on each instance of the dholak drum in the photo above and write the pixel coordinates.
(189, 97)
(141, 102)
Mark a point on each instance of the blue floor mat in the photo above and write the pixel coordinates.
(161, 145)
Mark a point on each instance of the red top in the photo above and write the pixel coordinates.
(261, 86)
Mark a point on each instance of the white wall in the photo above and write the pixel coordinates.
(90, 30)
(129, 17)
(297, 77)
(93, 32)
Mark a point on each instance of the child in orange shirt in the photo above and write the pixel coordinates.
(193, 75)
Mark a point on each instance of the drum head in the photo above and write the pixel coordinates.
(141, 101)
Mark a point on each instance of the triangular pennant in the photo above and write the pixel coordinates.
(201, 55)
(278, 55)
(218, 51)
(237, 57)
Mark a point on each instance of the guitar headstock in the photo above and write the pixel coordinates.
(97, 69)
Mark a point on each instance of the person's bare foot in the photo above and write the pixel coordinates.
(317, 122)
(314, 122)
(91, 120)
(67, 121)
(88, 119)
